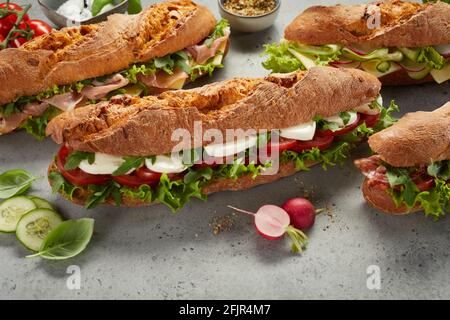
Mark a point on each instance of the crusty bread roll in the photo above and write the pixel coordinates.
(78, 53)
(144, 126)
(403, 24)
(418, 138)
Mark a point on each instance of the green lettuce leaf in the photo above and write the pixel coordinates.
(280, 59)
(219, 31)
(143, 193)
(431, 57)
(36, 125)
(60, 184)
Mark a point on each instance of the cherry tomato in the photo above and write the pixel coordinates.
(39, 27)
(17, 42)
(280, 146)
(341, 132)
(13, 17)
(370, 120)
(5, 27)
(77, 176)
(320, 142)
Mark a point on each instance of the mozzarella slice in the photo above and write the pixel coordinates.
(337, 119)
(103, 164)
(303, 132)
(227, 149)
(365, 108)
(166, 164)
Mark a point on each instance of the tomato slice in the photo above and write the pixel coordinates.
(370, 119)
(77, 176)
(134, 181)
(423, 181)
(280, 146)
(341, 132)
(320, 142)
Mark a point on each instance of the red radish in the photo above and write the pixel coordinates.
(273, 222)
(411, 69)
(351, 64)
(301, 211)
(357, 50)
(443, 49)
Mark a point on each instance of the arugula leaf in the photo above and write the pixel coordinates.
(439, 169)
(325, 125)
(101, 192)
(15, 182)
(128, 164)
(36, 125)
(74, 159)
(345, 116)
(431, 57)
(67, 240)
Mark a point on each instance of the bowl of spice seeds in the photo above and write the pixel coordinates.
(249, 15)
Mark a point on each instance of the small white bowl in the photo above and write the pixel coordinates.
(250, 23)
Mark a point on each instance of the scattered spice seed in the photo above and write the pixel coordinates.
(223, 223)
(250, 7)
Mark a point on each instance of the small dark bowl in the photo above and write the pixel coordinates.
(49, 8)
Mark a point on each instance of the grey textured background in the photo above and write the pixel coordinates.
(151, 253)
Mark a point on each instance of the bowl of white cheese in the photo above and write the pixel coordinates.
(76, 12)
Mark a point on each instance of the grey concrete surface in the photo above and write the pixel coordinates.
(152, 253)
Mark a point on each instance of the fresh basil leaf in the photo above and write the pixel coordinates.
(397, 177)
(98, 5)
(15, 182)
(74, 159)
(409, 193)
(439, 169)
(128, 164)
(134, 6)
(67, 240)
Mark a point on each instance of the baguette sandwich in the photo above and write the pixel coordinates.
(410, 169)
(401, 43)
(121, 151)
(161, 48)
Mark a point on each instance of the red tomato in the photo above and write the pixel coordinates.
(17, 42)
(341, 132)
(13, 17)
(39, 27)
(280, 146)
(143, 176)
(321, 142)
(5, 27)
(213, 162)
(77, 176)
(2, 38)
(370, 120)
(423, 181)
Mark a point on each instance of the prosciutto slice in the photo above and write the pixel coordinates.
(100, 89)
(164, 80)
(12, 122)
(35, 109)
(65, 101)
(371, 167)
(202, 53)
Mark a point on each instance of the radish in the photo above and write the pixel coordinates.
(412, 69)
(443, 49)
(273, 222)
(301, 211)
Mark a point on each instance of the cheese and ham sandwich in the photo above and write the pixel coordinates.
(399, 42)
(163, 47)
(121, 151)
(410, 170)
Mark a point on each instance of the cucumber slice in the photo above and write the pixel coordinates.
(420, 74)
(41, 203)
(371, 67)
(34, 227)
(12, 210)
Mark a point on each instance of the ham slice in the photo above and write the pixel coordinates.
(163, 80)
(202, 53)
(100, 89)
(11, 122)
(35, 109)
(372, 168)
(65, 101)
